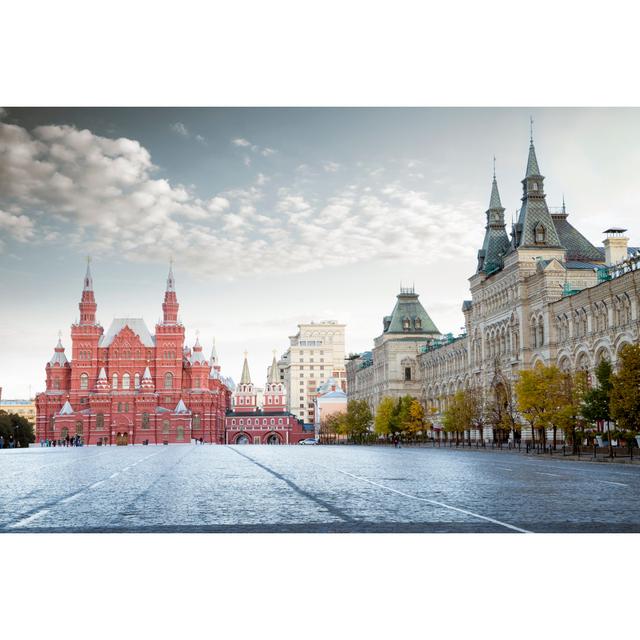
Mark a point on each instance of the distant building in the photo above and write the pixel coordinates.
(127, 386)
(391, 368)
(330, 399)
(261, 422)
(23, 408)
(316, 353)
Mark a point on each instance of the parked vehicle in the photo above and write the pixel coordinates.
(308, 441)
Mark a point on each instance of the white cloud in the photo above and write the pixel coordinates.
(180, 129)
(330, 167)
(61, 184)
(243, 143)
(18, 227)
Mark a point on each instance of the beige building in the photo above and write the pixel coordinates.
(23, 408)
(316, 353)
(391, 368)
(544, 294)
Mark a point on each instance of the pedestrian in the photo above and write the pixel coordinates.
(11, 442)
(1, 442)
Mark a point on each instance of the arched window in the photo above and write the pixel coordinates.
(145, 420)
(165, 427)
(180, 433)
(84, 381)
(119, 407)
(405, 324)
(126, 381)
(196, 421)
(540, 234)
(79, 428)
(114, 381)
(418, 323)
(168, 380)
(136, 380)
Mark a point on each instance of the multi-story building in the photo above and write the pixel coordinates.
(127, 386)
(261, 421)
(23, 408)
(543, 294)
(390, 369)
(316, 353)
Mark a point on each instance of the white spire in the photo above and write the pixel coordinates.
(88, 280)
(146, 375)
(214, 355)
(102, 375)
(171, 283)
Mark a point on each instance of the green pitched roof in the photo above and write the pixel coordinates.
(408, 307)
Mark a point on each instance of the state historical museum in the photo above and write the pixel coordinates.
(127, 386)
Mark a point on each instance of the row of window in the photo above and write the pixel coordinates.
(256, 421)
(126, 381)
(166, 424)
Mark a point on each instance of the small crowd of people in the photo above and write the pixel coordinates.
(199, 440)
(68, 441)
(9, 444)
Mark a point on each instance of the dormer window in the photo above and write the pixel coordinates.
(540, 234)
(417, 323)
(406, 325)
(534, 186)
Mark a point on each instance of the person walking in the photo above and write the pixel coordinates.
(1, 442)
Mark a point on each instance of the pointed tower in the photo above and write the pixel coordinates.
(170, 348)
(199, 367)
(496, 240)
(535, 228)
(85, 338)
(245, 396)
(58, 370)
(274, 395)
(88, 306)
(213, 360)
(102, 383)
(170, 305)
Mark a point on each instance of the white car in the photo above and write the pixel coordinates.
(308, 441)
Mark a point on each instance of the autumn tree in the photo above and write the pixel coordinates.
(570, 398)
(459, 415)
(597, 401)
(415, 420)
(540, 396)
(384, 416)
(625, 391)
(333, 425)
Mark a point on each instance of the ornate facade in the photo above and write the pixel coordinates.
(127, 386)
(544, 294)
(391, 368)
(248, 423)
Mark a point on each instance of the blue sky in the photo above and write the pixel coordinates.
(275, 216)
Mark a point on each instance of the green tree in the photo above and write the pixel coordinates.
(384, 416)
(15, 428)
(358, 419)
(625, 391)
(597, 401)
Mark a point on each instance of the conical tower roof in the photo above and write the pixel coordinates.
(171, 283)
(274, 376)
(496, 241)
(88, 280)
(213, 360)
(246, 376)
(532, 162)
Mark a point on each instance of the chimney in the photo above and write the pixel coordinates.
(615, 246)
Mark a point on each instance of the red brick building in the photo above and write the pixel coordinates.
(273, 424)
(127, 386)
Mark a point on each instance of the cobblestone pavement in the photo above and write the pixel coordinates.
(310, 489)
